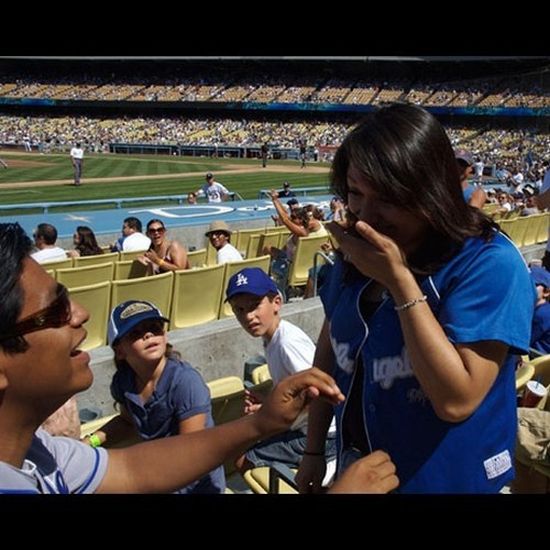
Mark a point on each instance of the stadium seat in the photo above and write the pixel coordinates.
(129, 269)
(97, 300)
(156, 289)
(303, 259)
(196, 296)
(58, 264)
(85, 275)
(130, 255)
(197, 258)
(81, 261)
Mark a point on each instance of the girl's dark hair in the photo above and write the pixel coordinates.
(408, 159)
(15, 246)
(88, 244)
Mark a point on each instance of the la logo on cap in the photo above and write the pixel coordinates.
(241, 280)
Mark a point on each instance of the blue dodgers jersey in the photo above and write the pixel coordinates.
(483, 293)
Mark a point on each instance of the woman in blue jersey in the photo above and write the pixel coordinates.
(426, 308)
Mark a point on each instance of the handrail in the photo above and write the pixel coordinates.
(327, 259)
(118, 201)
(301, 191)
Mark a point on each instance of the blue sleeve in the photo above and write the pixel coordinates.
(540, 337)
(189, 395)
(491, 298)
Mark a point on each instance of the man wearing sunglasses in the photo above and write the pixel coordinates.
(42, 365)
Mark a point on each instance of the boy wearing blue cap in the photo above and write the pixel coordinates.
(159, 394)
(540, 328)
(288, 349)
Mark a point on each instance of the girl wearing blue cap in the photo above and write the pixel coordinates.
(159, 394)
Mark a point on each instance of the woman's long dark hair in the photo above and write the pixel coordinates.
(408, 159)
(88, 244)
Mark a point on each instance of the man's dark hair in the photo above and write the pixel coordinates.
(133, 223)
(47, 231)
(15, 246)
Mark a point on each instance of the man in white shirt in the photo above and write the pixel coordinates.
(77, 158)
(45, 236)
(220, 237)
(132, 239)
(213, 190)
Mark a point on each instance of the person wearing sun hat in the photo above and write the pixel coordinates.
(219, 235)
(159, 394)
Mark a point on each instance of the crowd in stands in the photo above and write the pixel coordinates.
(508, 90)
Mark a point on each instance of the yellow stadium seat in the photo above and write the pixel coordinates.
(156, 289)
(267, 480)
(197, 258)
(303, 259)
(81, 261)
(196, 296)
(97, 300)
(129, 269)
(130, 255)
(58, 264)
(85, 275)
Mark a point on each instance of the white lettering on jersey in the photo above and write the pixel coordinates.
(386, 369)
(341, 352)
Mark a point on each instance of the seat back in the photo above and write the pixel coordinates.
(96, 299)
(196, 296)
(227, 398)
(129, 269)
(81, 261)
(211, 254)
(131, 254)
(242, 237)
(260, 374)
(253, 248)
(197, 258)
(303, 259)
(85, 275)
(156, 289)
(234, 267)
(58, 264)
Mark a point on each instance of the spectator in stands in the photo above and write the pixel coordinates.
(540, 331)
(473, 194)
(77, 159)
(337, 210)
(213, 190)
(426, 309)
(132, 239)
(159, 394)
(220, 238)
(288, 349)
(191, 198)
(85, 243)
(164, 254)
(45, 237)
(286, 192)
(41, 365)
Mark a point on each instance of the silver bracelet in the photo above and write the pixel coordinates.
(412, 303)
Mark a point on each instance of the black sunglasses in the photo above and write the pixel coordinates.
(157, 229)
(56, 315)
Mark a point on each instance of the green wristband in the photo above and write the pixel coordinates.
(94, 441)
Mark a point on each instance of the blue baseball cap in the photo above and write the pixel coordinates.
(540, 276)
(127, 315)
(250, 280)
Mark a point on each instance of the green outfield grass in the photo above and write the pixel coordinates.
(56, 167)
